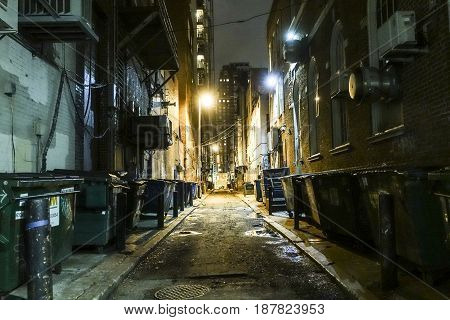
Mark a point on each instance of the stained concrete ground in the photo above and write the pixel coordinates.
(225, 246)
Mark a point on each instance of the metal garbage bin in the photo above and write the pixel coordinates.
(337, 198)
(101, 213)
(258, 191)
(135, 201)
(287, 183)
(421, 204)
(248, 188)
(154, 190)
(15, 190)
(188, 194)
(181, 189)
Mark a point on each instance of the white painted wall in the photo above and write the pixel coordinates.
(37, 83)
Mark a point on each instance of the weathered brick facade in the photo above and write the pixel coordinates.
(421, 139)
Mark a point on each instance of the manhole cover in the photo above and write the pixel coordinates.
(181, 292)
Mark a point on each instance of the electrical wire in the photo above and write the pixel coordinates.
(51, 134)
(82, 120)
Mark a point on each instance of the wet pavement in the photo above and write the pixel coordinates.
(223, 251)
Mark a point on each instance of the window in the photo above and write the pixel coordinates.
(339, 108)
(313, 106)
(385, 9)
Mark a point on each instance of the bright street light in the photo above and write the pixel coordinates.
(291, 35)
(215, 148)
(271, 81)
(206, 100)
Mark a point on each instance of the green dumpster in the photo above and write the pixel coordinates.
(15, 190)
(421, 202)
(101, 215)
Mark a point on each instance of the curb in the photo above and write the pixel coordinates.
(101, 281)
(341, 277)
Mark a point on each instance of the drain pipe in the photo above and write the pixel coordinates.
(38, 250)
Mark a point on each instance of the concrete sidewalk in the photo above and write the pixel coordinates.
(93, 276)
(355, 269)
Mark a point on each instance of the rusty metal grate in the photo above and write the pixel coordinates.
(181, 292)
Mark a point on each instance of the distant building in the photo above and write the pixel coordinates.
(256, 125)
(233, 82)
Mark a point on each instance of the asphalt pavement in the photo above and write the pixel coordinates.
(223, 251)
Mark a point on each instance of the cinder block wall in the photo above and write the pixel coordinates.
(37, 83)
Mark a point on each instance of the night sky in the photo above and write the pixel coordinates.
(244, 42)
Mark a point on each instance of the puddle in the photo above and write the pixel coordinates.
(187, 233)
(289, 252)
(261, 232)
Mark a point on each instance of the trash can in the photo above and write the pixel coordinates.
(181, 189)
(421, 204)
(15, 190)
(258, 191)
(154, 190)
(338, 202)
(101, 213)
(135, 201)
(188, 194)
(287, 183)
(248, 188)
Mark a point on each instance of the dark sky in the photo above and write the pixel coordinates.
(244, 42)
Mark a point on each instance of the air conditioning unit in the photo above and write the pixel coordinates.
(57, 21)
(398, 32)
(339, 85)
(152, 132)
(8, 16)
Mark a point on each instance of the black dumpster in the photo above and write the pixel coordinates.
(181, 189)
(15, 191)
(154, 190)
(258, 191)
(287, 183)
(421, 206)
(248, 188)
(135, 201)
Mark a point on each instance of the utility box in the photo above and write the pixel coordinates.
(15, 191)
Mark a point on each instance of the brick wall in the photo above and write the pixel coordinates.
(426, 92)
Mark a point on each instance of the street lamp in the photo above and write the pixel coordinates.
(206, 100)
(271, 81)
(215, 148)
